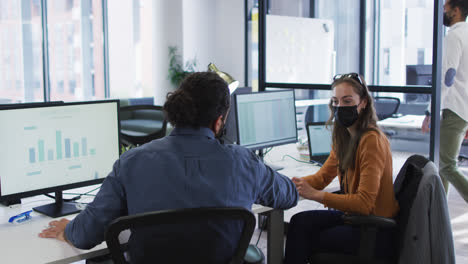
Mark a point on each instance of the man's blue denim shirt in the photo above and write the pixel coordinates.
(187, 169)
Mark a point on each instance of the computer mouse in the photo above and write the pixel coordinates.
(254, 255)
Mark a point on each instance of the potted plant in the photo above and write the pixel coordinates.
(177, 71)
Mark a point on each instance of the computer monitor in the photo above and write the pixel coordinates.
(21, 105)
(418, 75)
(317, 113)
(50, 148)
(266, 119)
(230, 137)
(320, 141)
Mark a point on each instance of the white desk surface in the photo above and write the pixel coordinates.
(20, 243)
(406, 121)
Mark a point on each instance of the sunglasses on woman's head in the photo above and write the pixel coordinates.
(351, 75)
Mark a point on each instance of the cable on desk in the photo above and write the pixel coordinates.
(77, 197)
(307, 162)
(65, 200)
(92, 190)
(80, 194)
(267, 150)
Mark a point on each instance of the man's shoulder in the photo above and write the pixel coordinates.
(150, 147)
(460, 31)
(239, 151)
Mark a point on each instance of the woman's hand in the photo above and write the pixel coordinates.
(307, 191)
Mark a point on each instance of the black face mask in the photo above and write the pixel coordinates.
(447, 21)
(346, 115)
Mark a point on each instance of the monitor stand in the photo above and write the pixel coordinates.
(59, 208)
(272, 166)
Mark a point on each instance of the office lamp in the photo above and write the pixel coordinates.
(232, 83)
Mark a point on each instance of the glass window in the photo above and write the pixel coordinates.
(309, 45)
(398, 52)
(76, 53)
(306, 42)
(403, 127)
(252, 48)
(139, 37)
(20, 52)
(403, 37)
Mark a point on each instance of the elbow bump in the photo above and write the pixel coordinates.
(450, 77)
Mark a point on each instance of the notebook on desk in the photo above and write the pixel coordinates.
(320, 141)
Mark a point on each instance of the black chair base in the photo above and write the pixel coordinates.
(325, 258)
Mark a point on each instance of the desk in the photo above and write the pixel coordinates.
(406, 133)
(20, 243)
(406, 122)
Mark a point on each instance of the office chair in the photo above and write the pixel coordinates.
(175, 243)
(386, 106)
(413, 183)
(140, 124)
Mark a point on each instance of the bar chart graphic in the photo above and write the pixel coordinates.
(65, 148)
(57, 145)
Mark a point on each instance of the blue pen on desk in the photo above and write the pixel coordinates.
(20, 218)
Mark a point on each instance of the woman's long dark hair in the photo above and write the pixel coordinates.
(344, 145)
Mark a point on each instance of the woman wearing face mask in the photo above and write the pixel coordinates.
(362, 160)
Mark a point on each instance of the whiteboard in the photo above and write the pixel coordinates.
(299, 50)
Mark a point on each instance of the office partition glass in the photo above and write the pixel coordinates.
(389, 42)
(309, 41)
(252, 44)
(401, 32)
(138, 38)
(76, 53)
(144, 48)
(21, 70)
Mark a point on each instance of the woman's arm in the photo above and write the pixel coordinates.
(373, 152)
(325, 175)
(307, 191)
(310, 187)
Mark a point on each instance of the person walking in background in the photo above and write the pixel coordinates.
(454, 100)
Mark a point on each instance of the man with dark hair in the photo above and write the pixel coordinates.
(190, 168)
(454, 100)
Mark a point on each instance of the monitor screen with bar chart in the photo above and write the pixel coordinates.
(49, 148)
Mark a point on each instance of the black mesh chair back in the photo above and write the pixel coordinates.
(386, 106)
(189, 235)
(140, 124)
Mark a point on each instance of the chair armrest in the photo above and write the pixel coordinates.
(371, 220)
